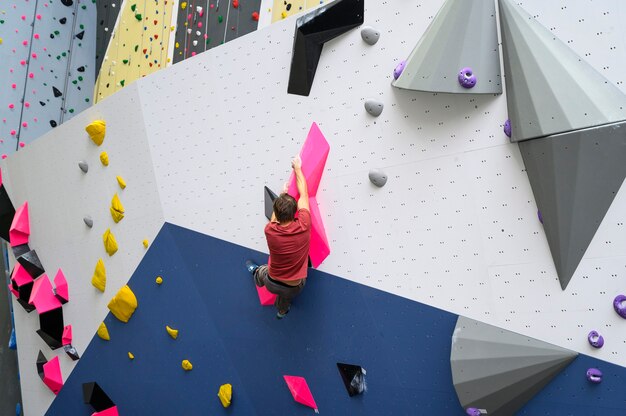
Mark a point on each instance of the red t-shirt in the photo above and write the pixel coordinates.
(289, 247)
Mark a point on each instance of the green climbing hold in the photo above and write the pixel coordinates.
(86, 100)
(83, 26)
(80, 78)
(84, 7)
(138, 17)
(122, 83)
(74, 82)
(125, 61)
(1, 22)
(56, 32)
(64, 54)
(133, 7)
(220, 18)
(136, 47)
(71, 110)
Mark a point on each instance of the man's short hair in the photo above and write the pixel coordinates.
(285, 207)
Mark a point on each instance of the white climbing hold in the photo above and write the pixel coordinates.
(88, 221)
(374, 107)
(83, 166)
(370, 35)
(378, 177)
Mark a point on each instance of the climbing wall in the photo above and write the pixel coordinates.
(455, 226)
(284, 8)
(107, 14)
(50, 66)
(67, 196)
(138, 45)
(204, 24)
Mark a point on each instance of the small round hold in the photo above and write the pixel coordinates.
(467, 79)
(472, 411)
(594, 375)
(374, 107)
(398, 70)
(159, 280)
(88, 221)
(619, 304)
(507, 128)
(378, 177)
(83, 166)
(595, 340)
(370, 35)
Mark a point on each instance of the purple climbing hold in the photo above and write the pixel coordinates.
(398, 71)
(619, 304)
(467, 79)
(595, 340)
(507, 128)
(594, 375)
(540, 216)
(472, 411)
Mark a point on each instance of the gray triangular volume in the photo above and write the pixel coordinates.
(463, 34)
(269, 198)
(550, 89)
(575, 177)
(488, 375)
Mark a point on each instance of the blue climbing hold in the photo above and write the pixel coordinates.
(12, 340)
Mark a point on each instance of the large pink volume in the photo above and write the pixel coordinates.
(300, 391)
(314, 154)
(52, 375)
(20, 227)
(42, 295)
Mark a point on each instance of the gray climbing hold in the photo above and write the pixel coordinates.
(88, 221)
(83, 166)
(378, 177)
(370, 35)
(374, 107)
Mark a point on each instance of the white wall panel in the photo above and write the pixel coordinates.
(59, 194)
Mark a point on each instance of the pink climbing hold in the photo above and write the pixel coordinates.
(25, 42)
(20, 276)
(66, 339)
(23, 17)
(314, 154)
(42, 296)
(193, 54)
(11, 106)
(15, 292)
(22, 144)
(13, 132)
(4, 156)
(24, 124)
(52, 376)
(60, 287)
(34, 55)
(20, 227)
(31, 75)
(265, 296)
(23, 62)
(111, 411)
(38, 17)
(36, 35)
(199, 24)
(14, 86)
(300, 391)
(26, 104)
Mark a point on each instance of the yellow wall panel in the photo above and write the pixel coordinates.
(138, 46)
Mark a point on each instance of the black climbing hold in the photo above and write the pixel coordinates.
(80, 35)
(30, 261)
(51, 327)
(63, 20)
(53, 123)
(353, 378)
(67, 3)
(96, 397)
(81, 69)
(269, 197)
(56, 92)
(42, 103)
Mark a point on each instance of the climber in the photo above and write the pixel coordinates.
(288, 235)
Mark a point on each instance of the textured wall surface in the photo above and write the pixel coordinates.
(455, 227)
(48, 52)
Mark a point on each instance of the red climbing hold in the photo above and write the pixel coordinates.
(255, 16)
(235, 3)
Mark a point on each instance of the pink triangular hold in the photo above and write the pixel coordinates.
(314, 154)
(42, 295)
(20, 276)
(20, 227)
(300, 391)
(52, 376)
(60, 287)
(266, 297)
(318, 249)
(15, 292)
(111, 411)
(67, 335)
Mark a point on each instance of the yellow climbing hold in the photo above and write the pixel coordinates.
(123, 304)
(187, 365)
(183, 5)
(283, 15)
(1, 41)
(145, 243)
(110, 243)
(121, 182)
(103, 332)
(99, 278)
(104, 158)
(177, 45)
(225, 394)
(117, 209)
(96, 130)
(130, 355)
(173, 332)
(159, 280)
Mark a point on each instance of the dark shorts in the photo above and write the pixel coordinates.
(284, 292)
